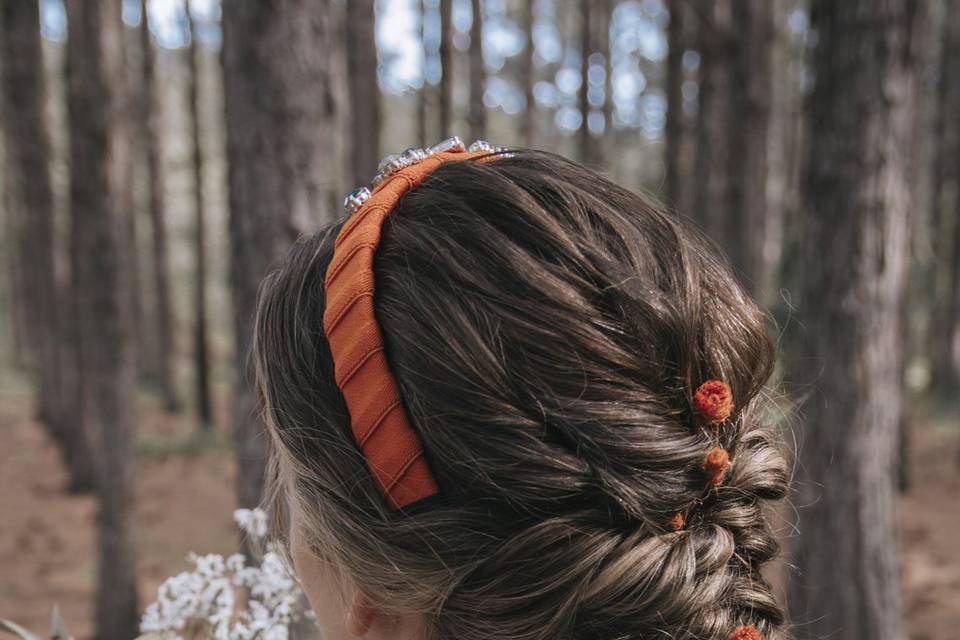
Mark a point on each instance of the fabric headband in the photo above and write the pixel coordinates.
(378, 418)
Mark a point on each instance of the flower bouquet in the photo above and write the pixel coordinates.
(219, 598)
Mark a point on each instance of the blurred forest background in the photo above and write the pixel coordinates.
(159, 156)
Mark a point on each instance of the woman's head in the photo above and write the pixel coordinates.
(547, 330)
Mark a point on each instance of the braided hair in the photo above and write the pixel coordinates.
(588, 381)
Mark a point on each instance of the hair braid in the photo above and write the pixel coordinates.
(550, 333)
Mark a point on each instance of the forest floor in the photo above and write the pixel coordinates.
(184, 502)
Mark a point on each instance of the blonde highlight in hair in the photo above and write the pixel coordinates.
(548, 330)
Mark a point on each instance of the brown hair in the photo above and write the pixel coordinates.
(547, 329)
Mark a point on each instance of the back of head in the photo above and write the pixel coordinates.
(547, 330)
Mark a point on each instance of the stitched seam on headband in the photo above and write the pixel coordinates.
(358, 217)
(403, 470)
(333, 323)
(356, 367)
(346, 259)
(376, 423)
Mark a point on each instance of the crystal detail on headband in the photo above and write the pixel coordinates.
(454, 144)
(397, 161)
(480, 145)
(412, 155)
(483, 145)
(355, 199)
(386, 161)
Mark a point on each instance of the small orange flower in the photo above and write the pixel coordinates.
(746, 632)
(715, 465)
(714, 401)
(677, 521)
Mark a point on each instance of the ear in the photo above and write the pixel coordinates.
(360, 615)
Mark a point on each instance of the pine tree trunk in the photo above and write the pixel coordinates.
(675, 128)
(528, 117)
(734, 40)
(446, 64)
(27, 181)
(604, 46)
(165, 348)
(123, 160)
(97, 202)
(30, 194)
(587, 142)
(748, 127)
(945, 213)
(14, 297)
(786, 57)
(713, 114)
(477, 114)
(422, 134)
(201, 352)
(848, 358)
(281, 165)
(952, 338)
(364, 92)
(919, 44)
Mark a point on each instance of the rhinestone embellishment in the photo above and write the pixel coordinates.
(355, 199)
(397, 161)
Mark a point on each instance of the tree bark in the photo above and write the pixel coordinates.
(27, 144)
(422, 94)
(280, 165)
(945, 213)
(855, 255)
(477, 114)
(201, 352)
(953, 301)
(675, 125)
(14, 297)
(27, 174)
(712, 116)
(97, 200)
(748, 126)
(364, 90)
(731, 170)
(917, 55)
(446, 64)
(588, 144)
(604, 46)
(165, 348)
(528, 118)
(123, 160)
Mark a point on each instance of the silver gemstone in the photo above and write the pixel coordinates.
(396, 163)
(480, 145)
(387, 161)
(453, 144)
(413, 155)
(355, 199)
(377, 179)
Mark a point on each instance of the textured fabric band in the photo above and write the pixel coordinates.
(378, 417)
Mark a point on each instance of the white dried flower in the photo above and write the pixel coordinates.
(252, 521)
(206, 598)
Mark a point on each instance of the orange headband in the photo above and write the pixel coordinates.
(378, 419)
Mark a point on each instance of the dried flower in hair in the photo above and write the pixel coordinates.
(714, 401)
(746, 632)
(677, 521)
(716, 464)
